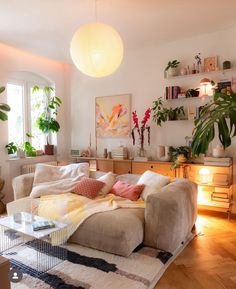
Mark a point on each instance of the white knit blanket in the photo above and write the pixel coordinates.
(54, 180)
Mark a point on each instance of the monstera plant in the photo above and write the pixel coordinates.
(3, 107)
(220, 113)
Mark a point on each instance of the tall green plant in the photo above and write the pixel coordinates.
(3, 107)
(47, 121)
(220, 113)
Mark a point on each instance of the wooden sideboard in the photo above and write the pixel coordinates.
(214, 182)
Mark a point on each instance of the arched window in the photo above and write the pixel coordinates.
(26, 107)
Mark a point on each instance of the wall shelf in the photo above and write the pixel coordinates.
(220, 72)
(202, 98)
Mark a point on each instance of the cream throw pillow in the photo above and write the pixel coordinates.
(153, 182)
(109, 180)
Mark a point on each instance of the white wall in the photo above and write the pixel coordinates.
(141, 74)
(13, 60)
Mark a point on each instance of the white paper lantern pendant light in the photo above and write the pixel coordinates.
(96, 49)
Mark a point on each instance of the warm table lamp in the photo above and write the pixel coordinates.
(203, 84)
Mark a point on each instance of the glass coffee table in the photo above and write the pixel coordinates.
(42, 248)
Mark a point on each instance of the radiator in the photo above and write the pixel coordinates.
(30, 168)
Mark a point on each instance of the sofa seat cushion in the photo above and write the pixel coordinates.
(119, 231)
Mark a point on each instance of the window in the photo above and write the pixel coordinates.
(15, 94)
(26, 107)
(36, 108)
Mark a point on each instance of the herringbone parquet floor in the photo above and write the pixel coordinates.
(209, 261)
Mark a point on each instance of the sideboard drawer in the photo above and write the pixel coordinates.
(104, 165)
(157, 167)
(122, 167)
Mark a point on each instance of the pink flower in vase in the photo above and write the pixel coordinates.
(144, 127)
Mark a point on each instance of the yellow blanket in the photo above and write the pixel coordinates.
(73, 209)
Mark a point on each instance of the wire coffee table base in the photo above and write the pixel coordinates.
(39, 254)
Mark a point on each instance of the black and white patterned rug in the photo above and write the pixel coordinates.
(86, 268)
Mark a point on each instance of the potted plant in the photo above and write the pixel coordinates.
(220, 113)
(171, 68)
(3, 107)
(192, 92)
(47, 121)
(173, 113)
(161, 114)
(26, 149)
(11, 148)
(180, 155)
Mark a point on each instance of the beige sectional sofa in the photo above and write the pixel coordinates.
(165, 223)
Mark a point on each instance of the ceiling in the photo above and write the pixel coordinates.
(46, 27)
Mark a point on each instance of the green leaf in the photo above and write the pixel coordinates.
(3, 116)
(2, 88)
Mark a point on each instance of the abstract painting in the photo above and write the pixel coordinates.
(113, 116)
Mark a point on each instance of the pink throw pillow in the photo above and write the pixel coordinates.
(88, 188)
(128, 191)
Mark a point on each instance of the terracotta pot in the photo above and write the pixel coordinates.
(49, 149)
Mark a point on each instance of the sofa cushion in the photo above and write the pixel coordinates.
(109, 180)
(118, 232)
(88, 188)
(153, 182)
(128, 178)
(128, 191)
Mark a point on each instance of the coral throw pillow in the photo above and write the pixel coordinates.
(88, 188)
(128, 191)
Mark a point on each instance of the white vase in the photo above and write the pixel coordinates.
(163, 153)
(172, 71)
(183, 71)
(218, 151)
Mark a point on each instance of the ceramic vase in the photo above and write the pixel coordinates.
(172, 71)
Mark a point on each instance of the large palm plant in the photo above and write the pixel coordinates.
(220, 113)
(3, 107)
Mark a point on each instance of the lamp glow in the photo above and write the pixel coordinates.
(206, 87)
(205, 175)
(96, 49)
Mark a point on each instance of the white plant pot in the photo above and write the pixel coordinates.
(20, 153)
(172, 71)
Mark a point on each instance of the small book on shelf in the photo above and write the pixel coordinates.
(41, 225)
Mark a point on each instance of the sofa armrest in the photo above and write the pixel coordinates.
(22, 185)
(170, 215)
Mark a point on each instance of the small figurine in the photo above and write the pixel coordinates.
(199, 62)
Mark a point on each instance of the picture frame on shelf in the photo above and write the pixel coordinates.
(210, 64)
(113, 116)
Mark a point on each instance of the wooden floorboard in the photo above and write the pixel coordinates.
(209, 261)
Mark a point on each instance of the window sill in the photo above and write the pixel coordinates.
(28, 160)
